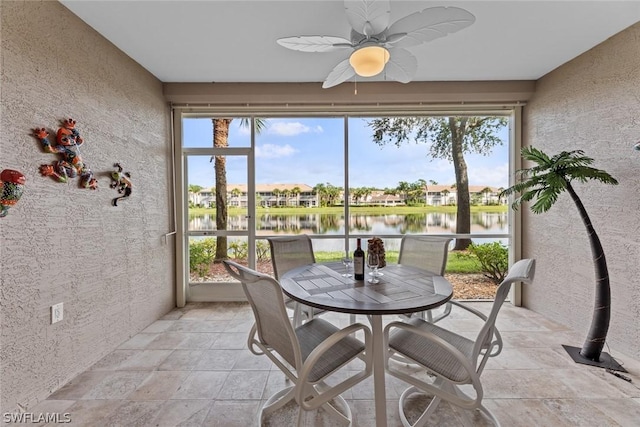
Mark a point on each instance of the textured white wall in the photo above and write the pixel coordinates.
(62, 243)
(593, 104)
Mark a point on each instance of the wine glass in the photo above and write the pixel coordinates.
(372, 262)
(347, 261)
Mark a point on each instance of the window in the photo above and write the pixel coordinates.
(335, 178)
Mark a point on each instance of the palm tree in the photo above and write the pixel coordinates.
(542, 184)
(221, 140)
(295, 192)
(485, 192)
(277, 192)
(445, 192)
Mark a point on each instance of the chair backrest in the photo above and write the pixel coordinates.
(522, 271)
(267, 302)
(290, 252)
(427, 252)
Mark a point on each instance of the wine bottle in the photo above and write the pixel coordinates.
(358, 262)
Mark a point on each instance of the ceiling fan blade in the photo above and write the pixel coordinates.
(341, 73)
(368, 17)
(402, 65)
(429, 24)
(314, 43)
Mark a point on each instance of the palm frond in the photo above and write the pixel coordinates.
(550, 176)
(584, 174)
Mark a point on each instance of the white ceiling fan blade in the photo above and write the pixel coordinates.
(314, 43)
(341, 73)
(368, 17)
(402, 65)
(429, 24)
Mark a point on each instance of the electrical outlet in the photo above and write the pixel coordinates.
(56, 313)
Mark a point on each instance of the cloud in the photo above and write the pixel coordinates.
(271, 151)
(291, 128)
(497, 176)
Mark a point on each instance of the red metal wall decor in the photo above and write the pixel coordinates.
(12, 183)
(122, 182)
(68, 142)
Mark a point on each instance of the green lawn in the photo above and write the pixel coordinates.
(457, 262)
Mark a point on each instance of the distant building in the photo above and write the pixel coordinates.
(294, 195)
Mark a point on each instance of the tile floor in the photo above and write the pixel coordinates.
(192, 368)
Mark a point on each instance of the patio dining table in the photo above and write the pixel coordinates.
(401, 290)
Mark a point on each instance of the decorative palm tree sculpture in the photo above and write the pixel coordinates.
(542, 184)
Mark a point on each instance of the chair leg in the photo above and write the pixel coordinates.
(422, 419)
(277, 401)
(332, 410)
(487, 413)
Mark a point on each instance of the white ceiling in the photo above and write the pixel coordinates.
(235, 41)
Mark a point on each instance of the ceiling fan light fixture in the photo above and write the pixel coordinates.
(369, 61)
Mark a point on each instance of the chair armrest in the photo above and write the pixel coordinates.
(469, 309)
(496, 332)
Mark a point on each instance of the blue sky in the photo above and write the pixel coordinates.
(310, 151)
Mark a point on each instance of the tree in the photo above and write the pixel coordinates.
(327, 193)
(542, 184)
(445, 192)
(277, 192)
(448, 138)
(194, 188)
(485, 193)
(221, 140)
(295, 192)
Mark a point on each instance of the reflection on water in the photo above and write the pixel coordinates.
(432, 222)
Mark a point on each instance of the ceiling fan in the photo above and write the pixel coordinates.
(375, 45)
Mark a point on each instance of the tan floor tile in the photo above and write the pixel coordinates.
(192, 368)
(231, 341)
(244, 385)
(113, 360)
(85, 413)
(524, 413)
(201, 385)
(116, 385)
(218, 360)
(158, 326)
(138, 342)
(78, 387)
(145, 360)
(232, 413)
(160, 385)
(524, 384)
(197, 340)
(199, 326)
(625, 412)
(134, 414)
(182, 413)
(181, 360)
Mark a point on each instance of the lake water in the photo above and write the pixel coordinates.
(383, 224)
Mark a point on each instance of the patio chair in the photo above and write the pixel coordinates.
(429, 253)
(308, 355)
(287, 253)
(452, 359)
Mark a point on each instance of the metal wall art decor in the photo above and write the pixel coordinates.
(122, 182)
(68, 142)
(12, 183)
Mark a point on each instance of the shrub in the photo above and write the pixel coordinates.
(201, 255)
(263, 252)
(238, 249)
(493, 258)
